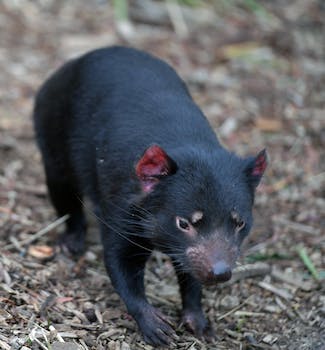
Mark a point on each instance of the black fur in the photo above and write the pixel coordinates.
(94, 119)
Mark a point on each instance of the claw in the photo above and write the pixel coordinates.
(156, 328)
(72, 243)
(196, 323)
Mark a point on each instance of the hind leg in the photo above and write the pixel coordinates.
(67, 200)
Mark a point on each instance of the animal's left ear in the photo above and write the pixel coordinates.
(256, 167)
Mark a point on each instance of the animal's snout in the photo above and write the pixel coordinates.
(212, 263)
(221, 271)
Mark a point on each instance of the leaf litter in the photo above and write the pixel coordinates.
(257, 70)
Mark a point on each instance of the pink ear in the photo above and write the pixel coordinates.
(260, 164)
(256, 168)
(154, 164)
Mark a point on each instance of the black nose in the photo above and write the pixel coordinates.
(221, 271)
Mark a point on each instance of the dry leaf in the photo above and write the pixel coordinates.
(239, 49)
(41, 251)
(268, 124)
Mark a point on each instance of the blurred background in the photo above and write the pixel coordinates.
(257, 70)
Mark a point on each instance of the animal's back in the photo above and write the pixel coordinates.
(113, 103)
(120, 90)
(138, 99)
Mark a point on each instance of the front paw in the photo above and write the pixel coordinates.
(156, 328)
(195, 322)
(73, 243)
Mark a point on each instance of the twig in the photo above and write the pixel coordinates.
(318, 177)
(296, 226)
(98, 274)
(4, 345)
(88, 327)
(177, 18)
(30, 189)
(285, 277)
(285, 308)
(123, 24)
(98, 315)
(69, 335)
(108, 334)
(249, 270)
(56, 334)
(233, 310)
(82, 342)
(159, 299)
(249, 314)
(280, 292)
(33, 337)
(4, 275)
(77, 313)
(40, 233)
(14, 241)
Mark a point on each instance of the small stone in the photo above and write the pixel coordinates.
(90, 256)
(65, 346)
(88, 305)
(229, 302)
(125, 346)
(228, 127)
(270, 339)
(250, 338)
(111, 345)
(91, 315)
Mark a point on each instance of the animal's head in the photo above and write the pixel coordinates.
(201, 205)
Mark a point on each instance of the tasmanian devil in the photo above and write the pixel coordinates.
(119, 126)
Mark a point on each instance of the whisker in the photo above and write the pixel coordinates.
(125, 223)
(113, 229)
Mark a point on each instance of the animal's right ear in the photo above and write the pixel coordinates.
(153, 166)
(256, 168)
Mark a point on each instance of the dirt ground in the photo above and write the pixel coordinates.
(257, 69)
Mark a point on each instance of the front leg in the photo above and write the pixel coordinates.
(125, 263)
(192, 314)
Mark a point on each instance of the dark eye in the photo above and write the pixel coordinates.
(182, 224)
(240, 224)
